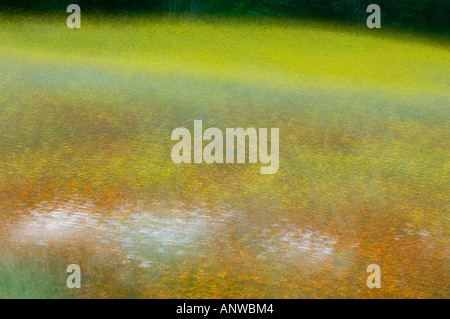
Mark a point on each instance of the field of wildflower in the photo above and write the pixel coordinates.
(86, 175)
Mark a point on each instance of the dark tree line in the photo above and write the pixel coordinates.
(429, 14)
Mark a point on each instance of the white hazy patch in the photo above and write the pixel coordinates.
(164, 230)
(50, 221)
(292, 242)
(409, 230)
(149, 236)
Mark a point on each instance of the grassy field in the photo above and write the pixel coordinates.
(364, 157)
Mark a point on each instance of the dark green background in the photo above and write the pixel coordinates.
(413, 14)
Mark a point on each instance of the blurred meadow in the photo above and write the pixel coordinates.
(86, 175)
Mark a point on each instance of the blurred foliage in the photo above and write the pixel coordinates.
(364, 140)
(417, 14)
